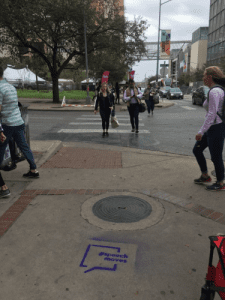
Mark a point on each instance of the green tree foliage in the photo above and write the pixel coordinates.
(54, 30)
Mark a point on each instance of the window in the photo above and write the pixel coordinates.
(221, 37)
(223, 5)
(222, 18)
(216, 8)
(213, 9)
(214, 24)
(219, 5)
(217, 36)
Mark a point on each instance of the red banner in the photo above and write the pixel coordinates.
(131, 75)
(105, 76)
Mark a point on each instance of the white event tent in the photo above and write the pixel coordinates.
(25, 75)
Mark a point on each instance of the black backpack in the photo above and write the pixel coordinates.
(222, 117)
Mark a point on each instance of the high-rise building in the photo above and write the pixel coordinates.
(199, 48)
(216, 34)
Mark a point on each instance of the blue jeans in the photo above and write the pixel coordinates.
(214, 139)
(17, 132)
(150, 105)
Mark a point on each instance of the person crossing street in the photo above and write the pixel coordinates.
(132, 96)
(105, 101)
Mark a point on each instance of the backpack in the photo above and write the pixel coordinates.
(222, 117)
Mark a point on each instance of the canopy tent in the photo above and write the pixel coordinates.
(90, 81)
(24, 75)
(122, 82)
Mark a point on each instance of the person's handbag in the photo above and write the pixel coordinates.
(114, 121)
(156, 99)
(142, 107)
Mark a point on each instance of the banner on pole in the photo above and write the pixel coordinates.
(185, 62)
(105, 76)
(131, 75)
(165, 44)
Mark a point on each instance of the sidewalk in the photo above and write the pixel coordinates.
(46, 104)
(55, 244)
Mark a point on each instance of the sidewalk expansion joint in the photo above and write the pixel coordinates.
(10, 216)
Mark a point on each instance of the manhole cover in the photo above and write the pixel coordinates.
(122, 209)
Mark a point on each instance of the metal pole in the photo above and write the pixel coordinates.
(157, 68)
(88, 99)
(176, 71)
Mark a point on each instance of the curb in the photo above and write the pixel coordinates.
(55, 147)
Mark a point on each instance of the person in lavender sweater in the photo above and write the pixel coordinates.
(212, 133)
(132, 96)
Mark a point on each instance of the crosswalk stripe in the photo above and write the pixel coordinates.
(91, 119)
(189, 108)
(98, 130)
(97, 116)
(93, 123)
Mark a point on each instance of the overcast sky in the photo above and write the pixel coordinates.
(182, 17)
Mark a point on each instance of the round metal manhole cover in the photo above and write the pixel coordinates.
(122, 209)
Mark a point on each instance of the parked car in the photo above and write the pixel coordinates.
(42, 85)
(175, 93)
(16, 83)
(163, 91)
(200, 95)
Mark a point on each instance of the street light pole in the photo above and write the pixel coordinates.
(157, 69)
(88, 99)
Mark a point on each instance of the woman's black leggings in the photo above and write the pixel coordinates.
(105, 114)
(214, 139)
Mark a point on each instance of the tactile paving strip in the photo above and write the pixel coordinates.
(82, 158)
(122, 209)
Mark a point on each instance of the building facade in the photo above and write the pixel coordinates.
(216, 34)
(199, 48)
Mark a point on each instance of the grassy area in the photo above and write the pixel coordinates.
(77, 95)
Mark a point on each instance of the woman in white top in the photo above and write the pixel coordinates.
(212, 133)
(133, 96)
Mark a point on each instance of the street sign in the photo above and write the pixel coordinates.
(164, 65)
(164, 71)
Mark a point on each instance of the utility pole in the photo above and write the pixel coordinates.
(88, 99)
(157, 69)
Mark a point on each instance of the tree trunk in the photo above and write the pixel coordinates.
(55, 89)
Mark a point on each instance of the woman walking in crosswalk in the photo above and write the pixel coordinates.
(105, 101)
(133, 96)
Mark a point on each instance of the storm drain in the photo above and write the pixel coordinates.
(122, 209)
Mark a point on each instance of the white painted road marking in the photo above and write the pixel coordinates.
(189, 108)
(90, 123)
(98, 130)
(118, 117)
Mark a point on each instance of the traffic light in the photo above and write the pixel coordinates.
(174, 68)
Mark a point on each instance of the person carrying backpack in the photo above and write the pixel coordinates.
(212, 133)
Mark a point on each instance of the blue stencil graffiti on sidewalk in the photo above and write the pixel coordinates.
(107, 257)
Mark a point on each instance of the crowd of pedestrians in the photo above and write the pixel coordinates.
(211, 134)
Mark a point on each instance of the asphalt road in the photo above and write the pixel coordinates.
(170, 129)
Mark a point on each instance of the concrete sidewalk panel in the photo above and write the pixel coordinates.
(42, 252)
